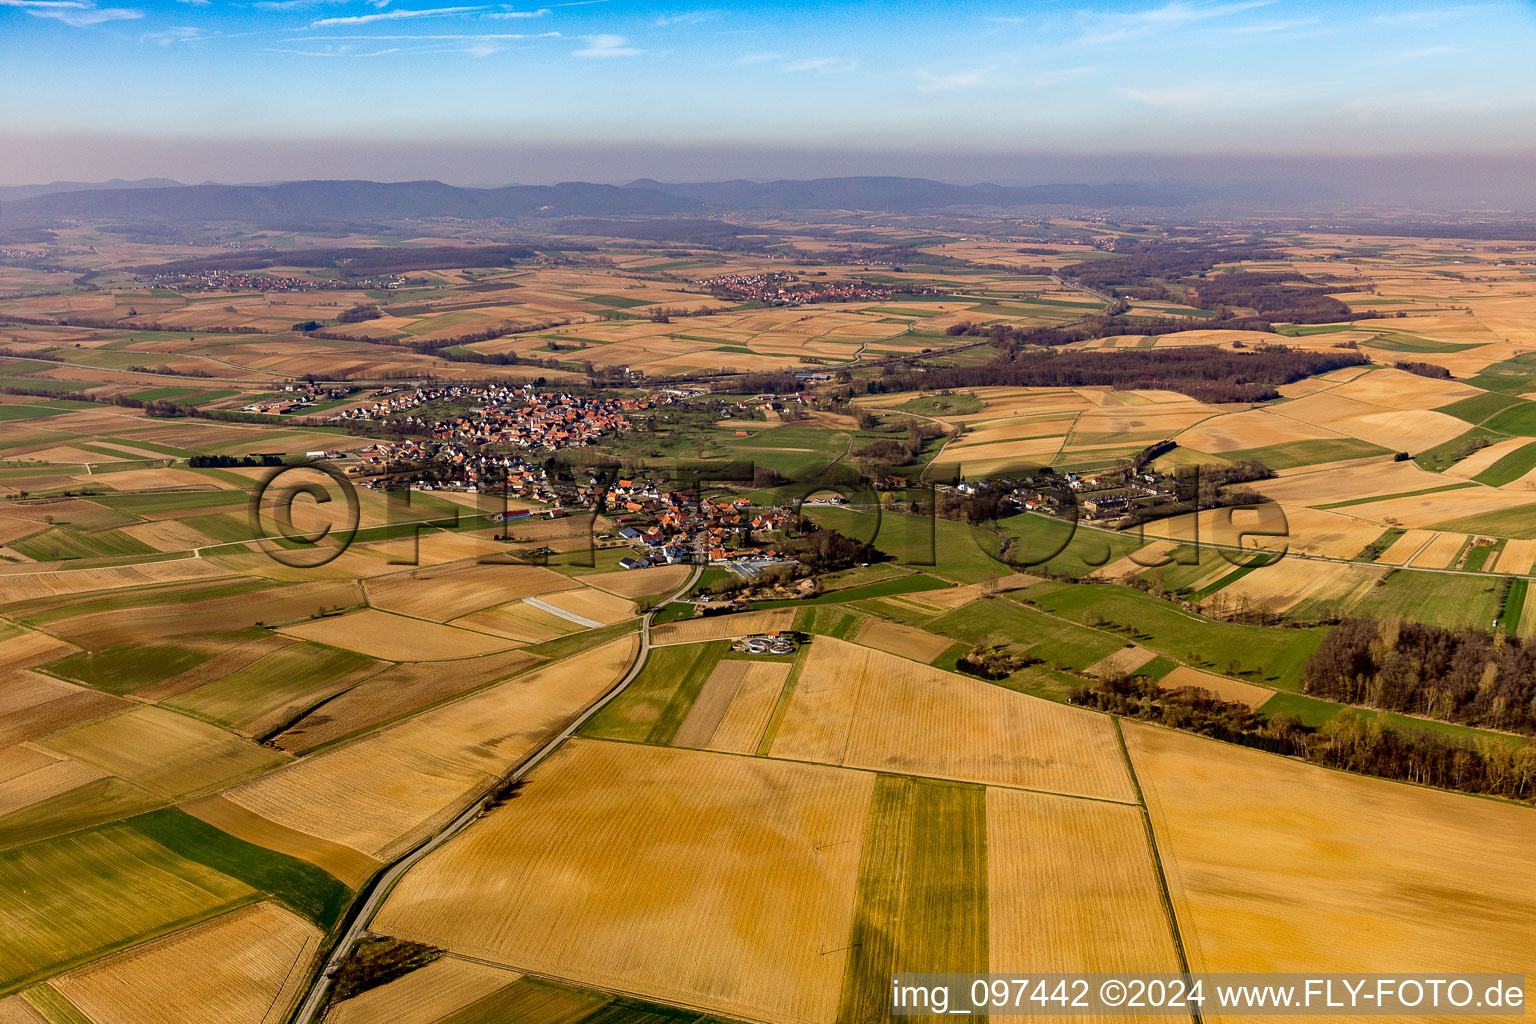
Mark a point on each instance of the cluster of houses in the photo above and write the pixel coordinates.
(667, 526)
(777, 288)
(214, 280)
(1104, 495)
(516, 415)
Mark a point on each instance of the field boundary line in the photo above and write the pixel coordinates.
(1157, 860)
(941, 779)
(361, 914)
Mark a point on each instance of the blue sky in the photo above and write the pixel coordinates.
(1186, 77)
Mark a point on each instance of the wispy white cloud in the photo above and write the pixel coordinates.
(607, 46)
(822, 65)
(1429, 18)
(1119, 27)
(434, 37)
(685, 18)
(334, 53)
(369, 19)
(975, 78)
(175, 34)
(78, 13)
(1273, 25)
(518, 15)
(195, 3)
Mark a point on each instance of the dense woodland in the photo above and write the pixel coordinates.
(1209, 374)
(1350, 741)
(1456, 675)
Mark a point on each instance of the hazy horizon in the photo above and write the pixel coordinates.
(1404, 100)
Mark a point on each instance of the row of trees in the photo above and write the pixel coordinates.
(1207, 373)
(1457, 675)
(1351, 740)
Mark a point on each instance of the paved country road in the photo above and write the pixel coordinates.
(312, 1003)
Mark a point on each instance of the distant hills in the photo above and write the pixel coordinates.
(116, 184)
(320, 204)
(913, 195)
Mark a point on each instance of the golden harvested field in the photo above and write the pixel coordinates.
(1221, 686)
(29, 775)
(32, 705)
(1072, 887)
(247, 965)
(449, 591)
(33, 585)
(1314, 531)
(723, 627)
(1323, 486)
(1517, 558)
(902, 641)
(633, 583)
(395, 637)
(592, 604)
(1398, 429)
(1441, 552)
(1125, 661)
(1425, 510)
(342, 862)
(717, 881)
(740, 729)
(160, 480)
(27, 648)
(709, 707)
(1290, 582)
(423, 996)
(1305, 869)
(16, 1010)
(1483, 458)
(1255, 428)
(396, 691)
(166, 753)
(1398, 389)
(381, 793)
(236, 611)
(862, 708)
(1405, 547)
(520, 621)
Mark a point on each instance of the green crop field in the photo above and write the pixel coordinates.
(1518, 523)
(60, 542)
(298, 885)
(281, 678)
(78, 896)
(1053, 546)
(942, 547)
(922, 892)
(944, 405)
(1447, 453)
(1438, 599)
(655, 704)
(1052, 640)
(127, 667)
(1272, 656)
(1479, 408)
(1511, 467)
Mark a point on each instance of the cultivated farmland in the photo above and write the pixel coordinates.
(626, 839)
